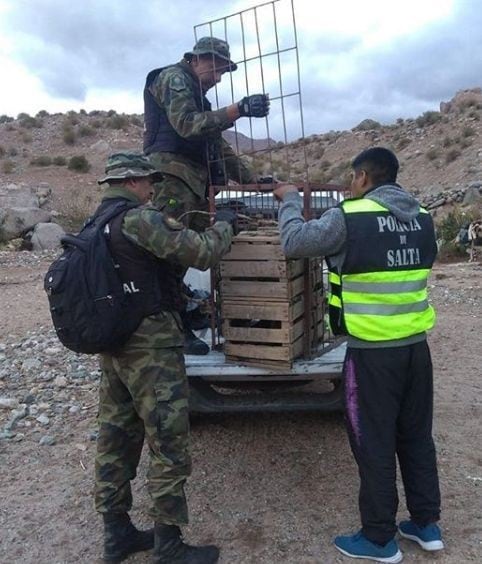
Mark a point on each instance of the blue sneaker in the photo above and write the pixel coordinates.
(429, 537)
(358, 546)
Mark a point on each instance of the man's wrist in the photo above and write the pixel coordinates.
(232, 112)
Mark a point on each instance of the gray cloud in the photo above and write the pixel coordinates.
(411, 76)
(106, 44)
(74, 46)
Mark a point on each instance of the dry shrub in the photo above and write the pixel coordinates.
(79, 163)
(136, 121)
(404, 142)
(432, 154)
(8, 166)
(468, 131)
(30, 122)
(42, 160)
(447, 142)
(466, 142)
(68, 135)
(76, 208)
(452, 155)
(117, 121)
(85, 131)
(428, 118)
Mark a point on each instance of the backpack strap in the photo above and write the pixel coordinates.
(100, 220)
(112, 211)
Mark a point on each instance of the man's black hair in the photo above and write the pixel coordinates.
(380, 164)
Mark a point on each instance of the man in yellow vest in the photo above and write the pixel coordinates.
(380, 247)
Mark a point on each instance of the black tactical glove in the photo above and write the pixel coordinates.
(229, 216)
(267, 183)
(267, 180)
(256, 105)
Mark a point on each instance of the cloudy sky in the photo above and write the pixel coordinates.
(376, 59)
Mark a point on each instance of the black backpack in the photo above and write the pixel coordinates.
(89, 308)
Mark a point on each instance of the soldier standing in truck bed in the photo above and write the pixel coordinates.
(182, 136)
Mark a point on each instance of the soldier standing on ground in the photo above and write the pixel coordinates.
(380, 247)
(182, 136)
(144, 388)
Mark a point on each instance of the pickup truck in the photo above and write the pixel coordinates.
(312, 383)
(220, 386)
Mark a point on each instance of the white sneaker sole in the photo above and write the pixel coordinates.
(398, 557)
(430, 546)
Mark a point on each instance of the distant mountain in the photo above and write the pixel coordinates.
(438, 151)
(245, 144)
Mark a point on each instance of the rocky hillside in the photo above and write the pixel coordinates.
(440, 152)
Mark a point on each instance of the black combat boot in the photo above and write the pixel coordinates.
(121, 538)
(169, 548)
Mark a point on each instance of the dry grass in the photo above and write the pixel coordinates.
(76, 207)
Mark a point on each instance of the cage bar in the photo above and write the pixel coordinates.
(260, 70)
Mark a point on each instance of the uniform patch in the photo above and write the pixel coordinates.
(173, 223)
(177, 83)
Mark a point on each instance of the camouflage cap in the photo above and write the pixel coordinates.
(129, 165)
(213, 46)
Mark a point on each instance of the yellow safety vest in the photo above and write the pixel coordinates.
(381, 292)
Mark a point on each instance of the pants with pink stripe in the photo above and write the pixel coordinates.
(388, 407)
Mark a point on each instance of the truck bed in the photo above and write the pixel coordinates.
(293, 389)
(214, 367)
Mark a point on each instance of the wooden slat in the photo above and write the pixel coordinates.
(260, 363)
(296, 287)
(287, 334)
(251, 251)
(261, 269)
(276, 311)
(244, 288)
(261, 335)
(253, 269)
(259, 289)
(297, 308)
(257, 237)
(242, 350)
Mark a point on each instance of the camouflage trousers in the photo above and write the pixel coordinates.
(175, 198)
(143, 393)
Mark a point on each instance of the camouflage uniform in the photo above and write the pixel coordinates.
(186, 181)
(144, 390)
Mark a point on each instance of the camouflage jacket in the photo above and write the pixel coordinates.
(168, 240)
(174, 91)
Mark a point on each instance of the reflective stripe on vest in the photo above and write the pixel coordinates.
(383, 305)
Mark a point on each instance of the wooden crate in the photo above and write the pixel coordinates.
(256, 268)
(267, 323)
(262, 301)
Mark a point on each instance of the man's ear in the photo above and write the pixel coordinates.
(364, 178)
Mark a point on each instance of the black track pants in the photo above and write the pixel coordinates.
(389, 406)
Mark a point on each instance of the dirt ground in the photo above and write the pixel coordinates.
(267, 488)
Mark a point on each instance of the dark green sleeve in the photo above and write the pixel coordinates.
(173, 92)
(169, 240)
